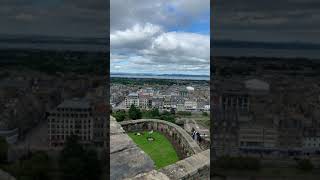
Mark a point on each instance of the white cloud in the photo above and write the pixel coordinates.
(141, 39)
(135, 37)
(126, 13)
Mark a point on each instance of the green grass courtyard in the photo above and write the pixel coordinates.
(160, 150)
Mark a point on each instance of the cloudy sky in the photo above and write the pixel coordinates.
(272, 20)
(160, 36)
(71, 18)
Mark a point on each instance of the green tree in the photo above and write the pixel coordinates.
(166, 113)
(3, 149)
(134, 113)
(238, 163)
(305, 165)
(71, 159)
(119, 115)
(78, 163)
(205, 114)
(93, 165)
(168, 118)
(184, 113)
(37, 167)
(155, 113)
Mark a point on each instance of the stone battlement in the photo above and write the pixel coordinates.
(186, 145)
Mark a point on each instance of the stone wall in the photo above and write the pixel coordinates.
(6, 176)
(175, 133)
(194, 167)
(126, 158)
(191, 168)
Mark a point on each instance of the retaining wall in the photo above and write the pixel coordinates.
(186, 145)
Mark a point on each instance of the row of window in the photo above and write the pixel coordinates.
(84, 132)
(58, 126)
(73, 115)
(63, 137)
(312, 145)
(74, 109)
(70, 121)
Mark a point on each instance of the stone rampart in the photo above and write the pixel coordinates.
(178, 136)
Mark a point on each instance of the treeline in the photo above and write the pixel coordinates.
(254, 164)
(55, 61)
(135, 113)
(74, 163)
(143, 81)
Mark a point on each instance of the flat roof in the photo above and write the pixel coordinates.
(75, 103)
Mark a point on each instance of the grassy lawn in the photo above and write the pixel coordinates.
(160, 150)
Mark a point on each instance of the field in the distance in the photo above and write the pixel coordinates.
(160, 150)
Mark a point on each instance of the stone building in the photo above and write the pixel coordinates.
(77, 117)
(234, 104)
(145, 101)
(258, 138)
(132, 99)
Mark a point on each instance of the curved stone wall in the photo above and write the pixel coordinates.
(174, 132)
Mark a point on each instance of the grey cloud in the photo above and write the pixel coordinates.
(156, 47)
(141, 40)
(68, 18)
(273, 20)
(126, 13)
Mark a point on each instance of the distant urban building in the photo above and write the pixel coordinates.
(157, 102)
(190, 105)
(311, 145)
(11, 136)
(145, 102)
(234, 109)
(258, 138)
(180, 107)
(77, 117)
(132, 99)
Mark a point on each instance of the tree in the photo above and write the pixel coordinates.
(166, 113)
(78, 163)
(168, 118)
(305, 165)
(134, 113)
(204, 114)
(37, 167)
(93, 165)
(172, 111)
(3, 149)
(119, 115)
(155, 113)
(71, 148)
(238, 163)
(71, 159)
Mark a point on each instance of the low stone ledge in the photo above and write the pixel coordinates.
(6, 176)
(194, 167)
(152, 175)
(126, 158)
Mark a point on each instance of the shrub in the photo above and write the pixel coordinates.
(305, 165)
(238, 163)
(134, 112)
(119, 115)
(205, 114)
(3, 150)
(184, 113)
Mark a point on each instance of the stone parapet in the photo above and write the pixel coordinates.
(177, 134)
